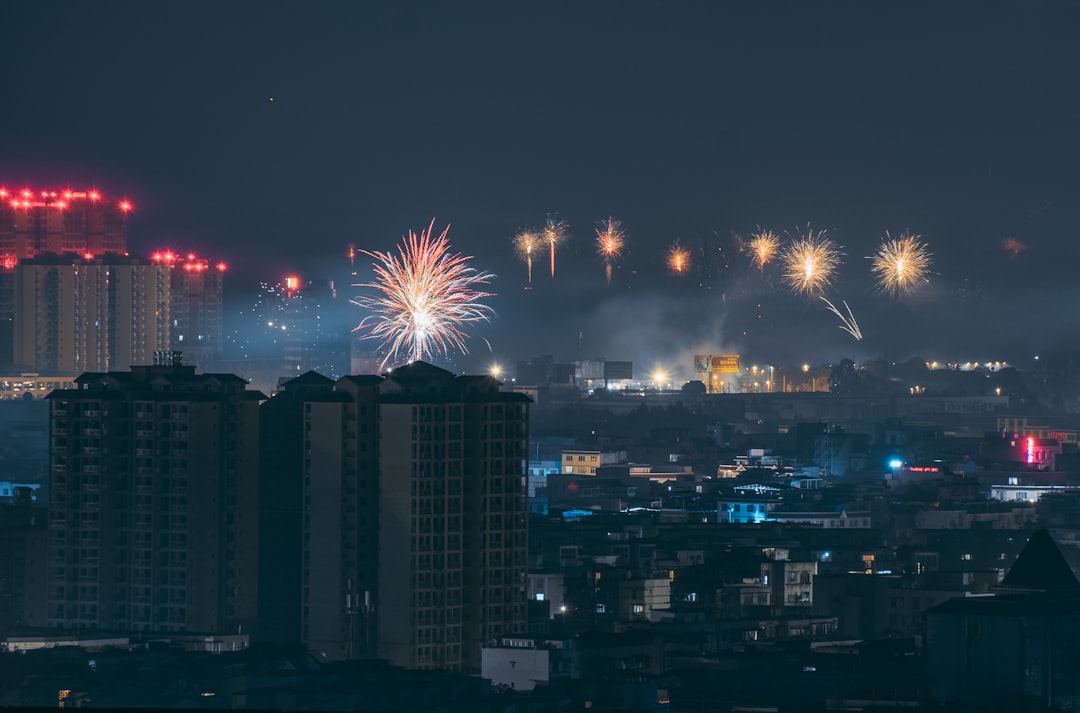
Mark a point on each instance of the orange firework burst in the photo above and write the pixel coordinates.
(609, 243)
(1014, 246)
(762, 247)
(901, 265)
(554, 234)
(678, 258)
(425, 296)
(526, 242)
(810, 262)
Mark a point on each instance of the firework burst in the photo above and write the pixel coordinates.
(762, 247)
(425, 297)
(526, 243)
(678, 258)
(554, 234)
(1014, 246)
(901, 265)
(609, 243)
(810, 262)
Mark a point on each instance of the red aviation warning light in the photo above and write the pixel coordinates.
(61, 200)
(166, 257)
(189, 262)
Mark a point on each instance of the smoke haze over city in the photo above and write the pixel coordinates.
(273, 136)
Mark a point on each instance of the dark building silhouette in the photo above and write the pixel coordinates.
(406, 494)
(22, 557)
(152, 524)
(1021, 647)
(318, 514)
(195, 293)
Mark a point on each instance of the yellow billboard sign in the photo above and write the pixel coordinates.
(716, 363)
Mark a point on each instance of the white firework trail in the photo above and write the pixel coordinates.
(847, 323)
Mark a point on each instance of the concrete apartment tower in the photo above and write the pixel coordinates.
(405, 497)
(34, 221)
(452, 517)
(74, 314)
(152, 523)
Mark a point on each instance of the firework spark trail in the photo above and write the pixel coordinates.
(526, 242)
(847, 323)
(609, 243)
(810, 262)
(678, 258)
(901, 265)
(762, 247)
(426, 296)
(554, 234)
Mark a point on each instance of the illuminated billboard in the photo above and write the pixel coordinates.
(716, 363)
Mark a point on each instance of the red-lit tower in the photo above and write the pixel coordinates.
(195, 288)
(35, 221)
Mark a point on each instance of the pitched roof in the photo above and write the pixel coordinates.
(309, 378)
(1046, 564)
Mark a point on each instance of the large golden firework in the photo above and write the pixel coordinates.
(554, 233)
(425, 296)
(810, 262)
(526, 243)
(762, 247)
(678, 258)
(901, 265)
(609, 243)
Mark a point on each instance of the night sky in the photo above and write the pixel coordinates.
(273, 134)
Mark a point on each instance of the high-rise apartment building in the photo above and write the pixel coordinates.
(195, 297)
(317, 336)
(75, 314)
(406, 498)
(452, 464)
(153, 517)
(318, 514)
(36, 221)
